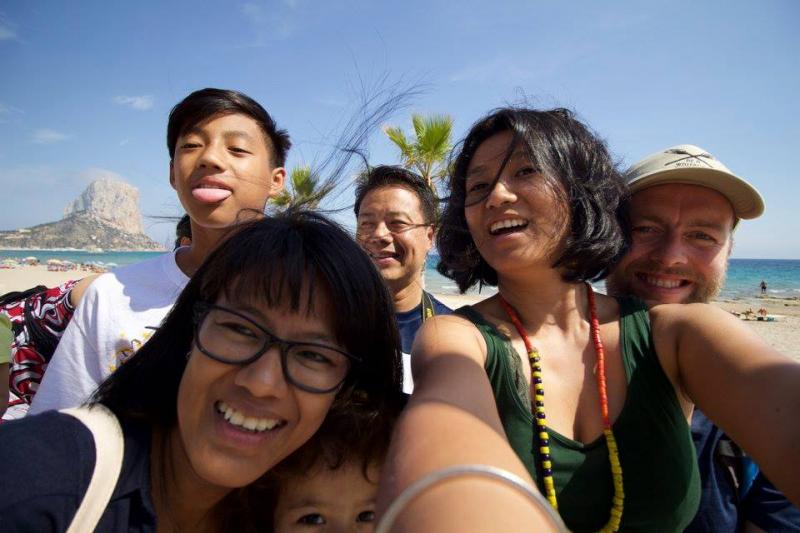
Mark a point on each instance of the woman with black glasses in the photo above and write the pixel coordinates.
(284, 328)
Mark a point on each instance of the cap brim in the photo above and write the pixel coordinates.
(746, 200)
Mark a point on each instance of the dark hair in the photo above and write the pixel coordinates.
(206, 103)
(394, 176)
(566, 151)
(271, 260)
(359, 436)
(183, 230)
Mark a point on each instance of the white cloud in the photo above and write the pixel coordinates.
(123, 142)
(6, 29)
(140, 103)
(268, 25)
(7, 112)
(48, 136)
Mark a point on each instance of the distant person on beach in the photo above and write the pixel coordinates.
(763, 287)
(396, 221)
(226, 160)
(684, 208)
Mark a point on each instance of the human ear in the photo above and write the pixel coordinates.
(277, 180)
(171, 175)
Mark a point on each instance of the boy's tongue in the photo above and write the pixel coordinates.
(210, 196)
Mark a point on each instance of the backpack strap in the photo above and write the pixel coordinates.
(109, 446)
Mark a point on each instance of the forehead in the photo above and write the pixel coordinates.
(340, 487)
(492, 151)
(270, 300)
(682, 203)
(390, 199)
(236, 124)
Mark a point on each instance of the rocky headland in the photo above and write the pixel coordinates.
(105, 216)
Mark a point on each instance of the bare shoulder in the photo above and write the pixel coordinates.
(449, 335)
(79, 289)
(674, 320)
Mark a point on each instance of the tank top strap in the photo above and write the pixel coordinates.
(635, 336)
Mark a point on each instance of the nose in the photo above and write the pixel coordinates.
(500, 194)
(212, 157)
(670, 250)
(264, 377)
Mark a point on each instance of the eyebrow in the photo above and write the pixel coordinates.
(258, 317)
(483, 168)
(226, 134)
(389, 214)
(695, 223)
(310, 502)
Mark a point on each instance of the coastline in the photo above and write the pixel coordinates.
(782, 334)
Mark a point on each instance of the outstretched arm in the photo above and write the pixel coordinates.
(452, 420)
(747, 388)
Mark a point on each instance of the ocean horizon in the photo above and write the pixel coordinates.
(744, 275)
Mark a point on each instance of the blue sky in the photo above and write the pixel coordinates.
(87, 86)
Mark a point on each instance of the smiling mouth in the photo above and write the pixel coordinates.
(662, 283)
(247, 423)
(507, 226)
(384, 255)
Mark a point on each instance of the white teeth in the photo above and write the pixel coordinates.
(236, 418)
(663, 283)
(508, 223)
(211, 187)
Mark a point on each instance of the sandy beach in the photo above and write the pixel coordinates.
(783, 333)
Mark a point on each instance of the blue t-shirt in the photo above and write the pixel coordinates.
(47, 463)
(409, 322)
(733, 490)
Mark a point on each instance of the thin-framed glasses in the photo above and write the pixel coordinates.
(231, 337)
(367, 228)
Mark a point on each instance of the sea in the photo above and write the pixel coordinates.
(744, 275)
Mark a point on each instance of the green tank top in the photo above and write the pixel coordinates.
(659, 465)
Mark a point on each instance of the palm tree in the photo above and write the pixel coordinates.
(305, 189)
(428, 151)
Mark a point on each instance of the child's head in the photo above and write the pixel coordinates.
(330, 484)
(328, 499)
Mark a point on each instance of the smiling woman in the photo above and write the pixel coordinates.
(253, 359)
(537, 208)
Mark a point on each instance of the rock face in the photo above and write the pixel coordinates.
(113, 202)
(105, 216)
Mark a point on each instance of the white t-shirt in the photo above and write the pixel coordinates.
(117, 314)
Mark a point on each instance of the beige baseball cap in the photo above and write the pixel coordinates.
(692, 165)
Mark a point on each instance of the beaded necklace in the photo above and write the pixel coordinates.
(540, 420)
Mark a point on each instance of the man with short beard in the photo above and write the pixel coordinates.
(684, 207)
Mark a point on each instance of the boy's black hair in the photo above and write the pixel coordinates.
(390, 175)
(205, 103)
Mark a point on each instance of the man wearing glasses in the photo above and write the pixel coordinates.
(396, 223)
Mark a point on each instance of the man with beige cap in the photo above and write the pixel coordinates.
(685, 205)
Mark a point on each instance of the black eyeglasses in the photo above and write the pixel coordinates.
(230, 337)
